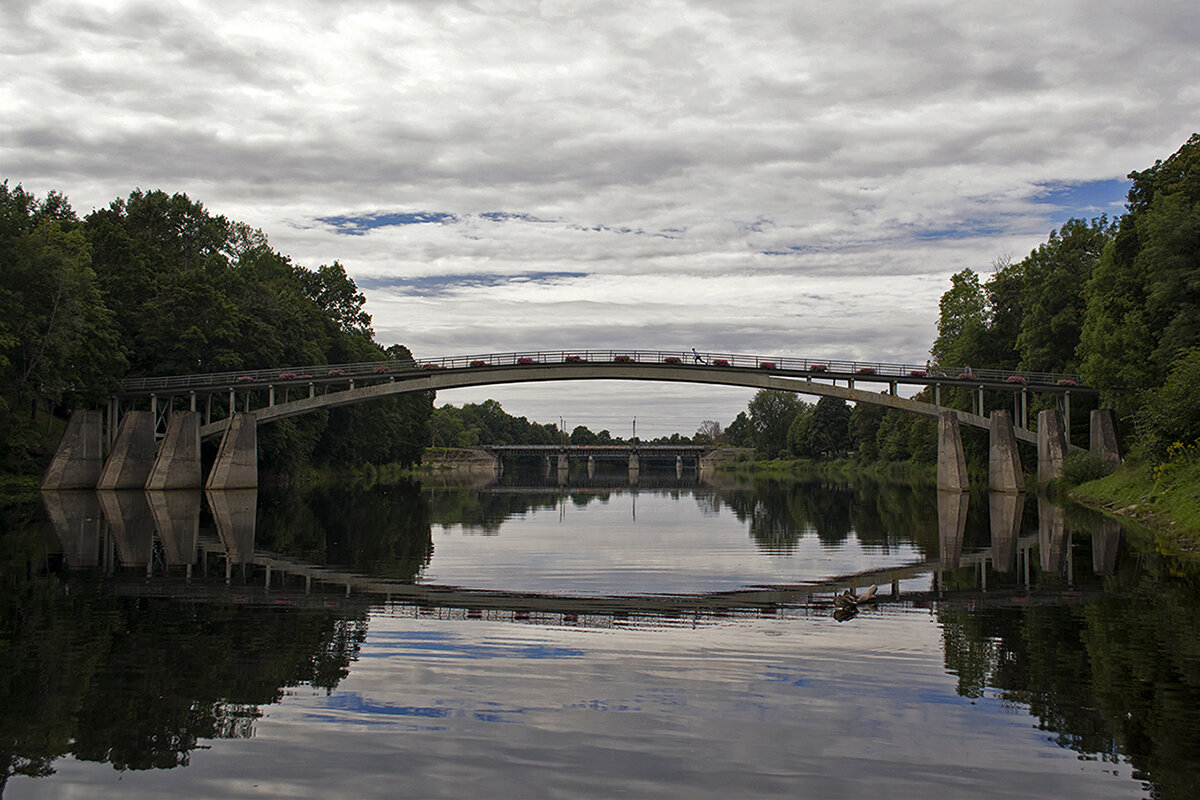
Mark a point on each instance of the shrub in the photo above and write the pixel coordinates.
(478, 363)
(866, 371)
(767, 365)
(1015, 379)
(525, 360)
(818, 368)
(575, 360)
(1081, 467)
(623, 359)
(243, 379)
(381, 369)
(671, 360)
(720, 362)
(1171, 413)
(917, 373)
(287, 376)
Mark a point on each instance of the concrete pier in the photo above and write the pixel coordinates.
(1104, 442)
(80, 456)
(178, 463)
(236, 466)
(952, 461)
(132, 457)
(1052, 445)
(1004, 464)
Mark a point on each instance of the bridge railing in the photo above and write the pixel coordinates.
(385, 370)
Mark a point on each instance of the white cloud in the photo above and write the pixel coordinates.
(880, 148)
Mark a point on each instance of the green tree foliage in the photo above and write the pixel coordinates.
(962, 322)
(771, 414)
(1052, 294)
(1171, 413)
(156, 285)
(1143, 300)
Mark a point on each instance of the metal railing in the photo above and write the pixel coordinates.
(879, 371)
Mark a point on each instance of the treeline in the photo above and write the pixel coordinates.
(156, 285)
(488, 423)
(1117, 302)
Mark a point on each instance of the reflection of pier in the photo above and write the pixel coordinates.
(556, 459)
(160, 529)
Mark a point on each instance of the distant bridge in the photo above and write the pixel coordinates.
(229, 404)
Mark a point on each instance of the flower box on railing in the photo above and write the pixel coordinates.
(1016, 379)
(337, 372)
(526, 360)
(672, 360)
(866, 371)
(243, 379)
(916, 373)
(720, 362)
(767, 365)
(575, 360)
(431, 365)
(967, 376)
(818, 368)
(478, 363)
(381, 370)
(622, 359)
(1067, 382)
(287, 376)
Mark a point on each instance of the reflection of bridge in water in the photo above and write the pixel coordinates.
(160, 532)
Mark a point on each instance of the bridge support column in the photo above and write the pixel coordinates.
(1052, 445)
(952, 461)
(564, 468)
(591, 466)
(132, 457)
(634, 467)
(678, 466)
(236, 466)
(1105, 444)
(178, 463)
(1004, 464)
(80, 457)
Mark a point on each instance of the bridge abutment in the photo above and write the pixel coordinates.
(236, 466)
(1104, 442)
(1004, 463)
(178, 463)
(952, 461)
(80, 457)
(1052, 445)
(133, 453)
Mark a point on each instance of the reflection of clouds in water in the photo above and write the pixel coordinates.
(673, 546)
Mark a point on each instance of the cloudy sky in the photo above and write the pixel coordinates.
(760, 176)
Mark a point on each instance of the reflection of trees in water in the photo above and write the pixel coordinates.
(384, 530)
(139, 682)
(1116, 675)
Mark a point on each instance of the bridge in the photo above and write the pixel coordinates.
(184, 409)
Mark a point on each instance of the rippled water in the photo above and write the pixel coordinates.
(591, 641)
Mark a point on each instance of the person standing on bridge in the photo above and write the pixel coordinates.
(699, 360)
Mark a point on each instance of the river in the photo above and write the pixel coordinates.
(677, 638)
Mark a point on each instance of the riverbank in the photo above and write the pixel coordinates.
(838, 468)
(1164, 500)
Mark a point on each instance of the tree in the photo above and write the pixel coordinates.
(1143, 300)
(708, 433)
(962, 322)
(770, 414)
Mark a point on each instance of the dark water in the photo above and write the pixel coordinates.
(674, 639)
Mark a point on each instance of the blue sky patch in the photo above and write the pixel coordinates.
(1087, 200)
(358, 225)
(440, 285)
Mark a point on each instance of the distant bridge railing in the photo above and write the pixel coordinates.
(835, 369)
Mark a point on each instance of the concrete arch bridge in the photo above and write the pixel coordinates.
(153, 426)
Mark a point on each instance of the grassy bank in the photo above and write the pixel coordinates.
(1163, 499)
(840, 468)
